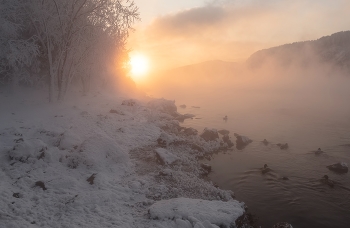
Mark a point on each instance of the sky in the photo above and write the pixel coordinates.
(176, 33)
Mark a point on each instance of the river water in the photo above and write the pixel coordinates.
(307, 115)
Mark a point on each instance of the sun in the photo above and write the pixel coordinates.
(139, 66)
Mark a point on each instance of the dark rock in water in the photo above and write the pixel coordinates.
(209, 134)
(224, 132)
(190, 131)
(183, 106)
(41, 185)
(247, 220)
(228, 141)
(181, 118)
(340, 167)
(283, 146)
(225, 138)
(91, 179)
(165, 106)
(282, 225)
(206, 167)
(241, 141)
(285, 178)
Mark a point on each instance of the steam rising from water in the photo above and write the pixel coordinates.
(320, 89)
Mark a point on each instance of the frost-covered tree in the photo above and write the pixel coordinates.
(68, 31)
(68, 35)
(17, 48)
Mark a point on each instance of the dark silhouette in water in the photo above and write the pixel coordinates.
(340, 167)
(318, 151)
(225, 118)
(327, 181)
(265, 169)
(265, 142)
(283, 146)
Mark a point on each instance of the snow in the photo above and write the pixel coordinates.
(344, 164)
(166, 156)
(63, 144)
(198, 211)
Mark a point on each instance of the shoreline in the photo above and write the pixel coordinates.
(57, 144)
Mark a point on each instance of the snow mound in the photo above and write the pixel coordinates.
(197, 211)
(163, 105)
(165, 156)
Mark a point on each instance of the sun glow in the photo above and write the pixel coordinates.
(139, 66)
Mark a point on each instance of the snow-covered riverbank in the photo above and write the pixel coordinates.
(104, 161)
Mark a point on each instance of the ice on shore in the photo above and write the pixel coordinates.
(198, 211)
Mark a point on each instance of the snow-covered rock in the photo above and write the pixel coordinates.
(340, 167)
(165, 157)
(282, 225)
(209, 134)
(163, 105)
(197, 211)
(181, 118)
(190, 131)
(130, 102)
(241, 141)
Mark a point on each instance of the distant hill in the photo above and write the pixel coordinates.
(199, 72)
(333, 49)
(207, 68)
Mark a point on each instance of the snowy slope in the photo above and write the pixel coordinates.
(91, 162)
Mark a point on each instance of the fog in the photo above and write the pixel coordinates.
(317, 88)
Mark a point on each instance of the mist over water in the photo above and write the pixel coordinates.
(306, 108)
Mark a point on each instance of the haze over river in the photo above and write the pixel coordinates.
(307, 114)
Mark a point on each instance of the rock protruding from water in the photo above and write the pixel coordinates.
(228, 141)
(224, 132)
(241, 141)
(209, 134)
(282, 225)
(165, 106)
(206, 167)
(340, 167)
(183, 106)
(181, 118)
(190, 131)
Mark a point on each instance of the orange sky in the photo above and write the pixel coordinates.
(176, 33)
